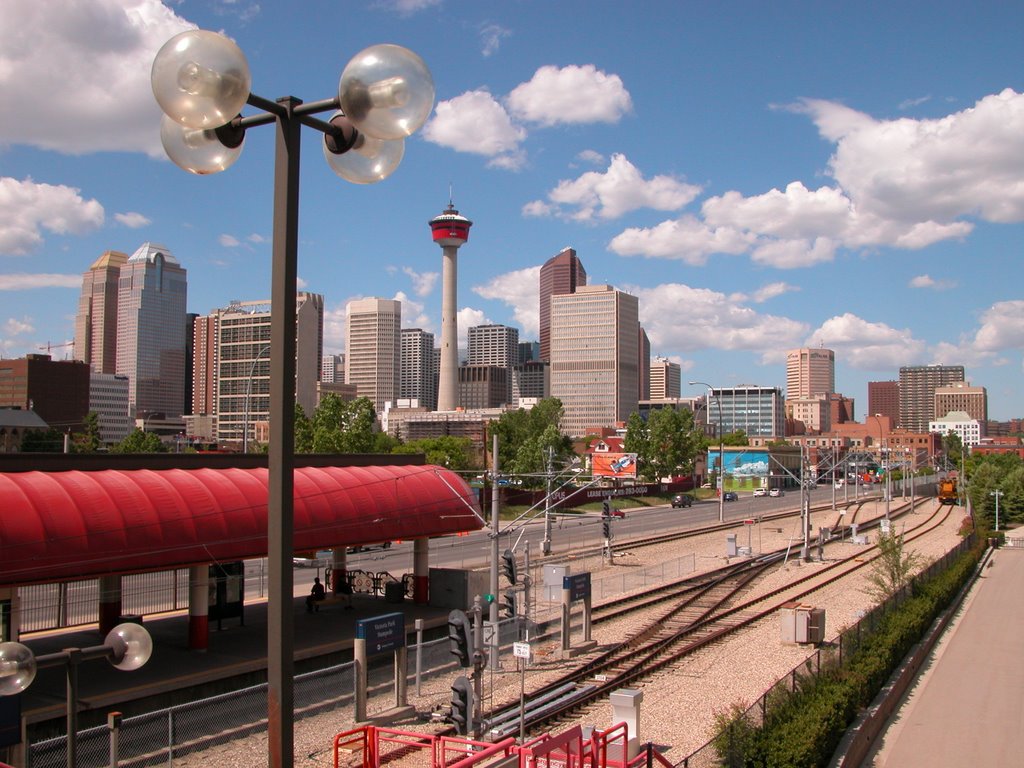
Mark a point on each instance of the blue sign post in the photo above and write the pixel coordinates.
(374, 636)
(382, 633)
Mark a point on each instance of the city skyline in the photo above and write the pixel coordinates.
(762, 179)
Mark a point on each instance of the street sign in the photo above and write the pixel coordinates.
(490, 634)
(748, 522)
(521, 650)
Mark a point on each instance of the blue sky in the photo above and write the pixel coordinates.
(763, 176)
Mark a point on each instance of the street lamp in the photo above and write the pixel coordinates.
(721, 450)
(201, 80)
(997, 493)
(248, 393)
(127, 646)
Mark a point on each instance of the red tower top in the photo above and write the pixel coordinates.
(449, 228)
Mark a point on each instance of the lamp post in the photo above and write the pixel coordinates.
(202, 81)
(248, 393)
(721, 450)
(997, 493)
(127, 647)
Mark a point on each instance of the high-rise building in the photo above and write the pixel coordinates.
(917, 392)
(57, 390)
(483, 386)
(529, 351)
(961, 396)
(495, 345)
(758, 411)
(643, 363)
(108, 399)
(593, 341)
(96, 321)
(810, 372)
(332, 369)
(418, 377)
(884, 399)
(373, 349)
(235, 363)
(152, 290)
(450, 231)
(530, 381)
(562, 273)
(666, 379)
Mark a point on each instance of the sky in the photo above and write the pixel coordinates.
(762, 176)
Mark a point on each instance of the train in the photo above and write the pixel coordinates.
(947, 491)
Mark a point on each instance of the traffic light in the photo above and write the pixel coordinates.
(509, 603)
(606, 527)
(461, 713)
(508, 565)
(460, 637)
(606, 507)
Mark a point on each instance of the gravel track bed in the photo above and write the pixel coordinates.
(679, 704)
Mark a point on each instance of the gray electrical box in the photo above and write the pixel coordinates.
(457, 588)
(802, 623)
(553, 575)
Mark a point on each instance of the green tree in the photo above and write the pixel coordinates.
(525, 437)
(140, 442)
(892, 570)
(303, 431)
(737, 438)
(953, 447)
(43, 441)
(359, 426)
(666, 444)
(88, 440)
(452, 452)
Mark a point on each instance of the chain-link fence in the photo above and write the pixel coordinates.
(728, 748)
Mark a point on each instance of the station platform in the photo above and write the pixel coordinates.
(236, 656)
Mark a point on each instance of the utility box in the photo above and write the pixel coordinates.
(801, 623)
(457, 588)
(553, 575)
(730, 545)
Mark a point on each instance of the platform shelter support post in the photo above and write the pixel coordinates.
(199, 607)
(110, 603)
(401, 679)
(421, 571)
(339, 568)
(566, 617)
(359, 670)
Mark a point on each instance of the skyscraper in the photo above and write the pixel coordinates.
(758, 411)
(152, 290)
(884, 399)
(666, 379)
(562, 273)
(594, 340)
(917, 392)
(810, 372)
(373, 349)
(497, 346)
(450, 231)
(418, 377)
(96, 321)
(961, 396)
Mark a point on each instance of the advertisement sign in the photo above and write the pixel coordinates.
(614, 465)
(745, 469)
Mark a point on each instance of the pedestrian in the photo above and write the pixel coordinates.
(316, 594)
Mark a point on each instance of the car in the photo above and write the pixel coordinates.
(731, 496)
(776, 492)
(760, 492)
(682, 500)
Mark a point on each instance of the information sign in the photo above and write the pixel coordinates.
(382, 633)
(578, 585)
(521, 650)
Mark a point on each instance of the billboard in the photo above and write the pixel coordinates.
(745, 469)
(613, 465)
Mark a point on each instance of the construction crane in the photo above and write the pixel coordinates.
(50, 347)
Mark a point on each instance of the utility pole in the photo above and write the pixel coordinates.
(495, 518)
(546, 545)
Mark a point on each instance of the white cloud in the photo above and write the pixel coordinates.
(1002, 327)
(334, 328)
(132, 220)
(474, 122)
(572, 94)
(617, 191)
(26, 208)
(228, 241)
(686, 239)
(256, 238)
(25, 282)
(771, 291)
(796, 213)
(790, 254)
(413, 312)
(491, 36)
(910, 103)
(866, 345)
(467, 317)
(969, 163)
(15, 327)
(521, 291)
(79, 73)
(926, 281)
(423, 282)
(680, 317)
(406, 7)
(591, 156)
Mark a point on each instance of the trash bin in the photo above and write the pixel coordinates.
(394, 592)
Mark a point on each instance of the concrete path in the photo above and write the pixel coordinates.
(967, 706)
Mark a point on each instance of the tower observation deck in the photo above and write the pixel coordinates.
(450, 231)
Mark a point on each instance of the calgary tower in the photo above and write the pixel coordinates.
(450, 230)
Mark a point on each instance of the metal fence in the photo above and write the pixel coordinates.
(728, 749)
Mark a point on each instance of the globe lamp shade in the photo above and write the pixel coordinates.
(197, 150)
(17, 668)
(200, 79)
(368, 161)
(386, 91)
(131, 644)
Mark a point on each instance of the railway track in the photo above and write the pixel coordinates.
(700, 611)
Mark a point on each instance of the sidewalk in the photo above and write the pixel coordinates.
(966, 707)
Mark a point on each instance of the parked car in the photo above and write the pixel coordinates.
(760, 492)
(775, 492)
(732, 496)
(682, 500)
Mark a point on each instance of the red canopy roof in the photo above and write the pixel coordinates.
(62, 525)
